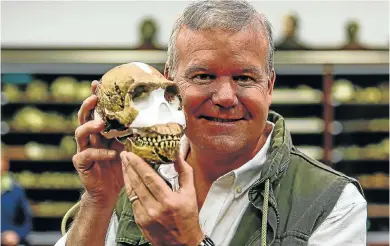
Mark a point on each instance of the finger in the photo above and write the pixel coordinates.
(186, 176)
(96, 139)
(130, 192)
(85, 110)
(94, 86)
(128, 186)
(83, 132)
(141, 217)
(83, 161)
(145, 173)
(116, 145)
(143, 193)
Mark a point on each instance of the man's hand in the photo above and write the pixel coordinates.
(99, 166)
(97, 160)
(164, 216)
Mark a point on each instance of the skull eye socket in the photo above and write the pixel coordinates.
(138, 91)
(172, 96)
(170, 93)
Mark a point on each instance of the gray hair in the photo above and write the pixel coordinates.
(225, 14)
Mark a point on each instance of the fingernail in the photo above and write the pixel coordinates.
(112, 153)
(123, 155)
(128, 156)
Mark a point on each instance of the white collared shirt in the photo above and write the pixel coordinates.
(227, 200)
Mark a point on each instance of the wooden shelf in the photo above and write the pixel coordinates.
(375, 188)
(358, 160)
(53, 188)
(97, 61)
(18, 153)
(378, 210)
(13, 131)
(49, 102)
(361, 104)
(108, 56)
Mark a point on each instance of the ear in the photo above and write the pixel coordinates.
(271, 82)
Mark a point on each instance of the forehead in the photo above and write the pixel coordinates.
(247, 47)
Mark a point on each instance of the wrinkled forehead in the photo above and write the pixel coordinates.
(221, 45)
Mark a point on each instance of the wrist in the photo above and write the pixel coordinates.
(90, 213)
(199, 239)
(96, 204)
(206, 241)
(203, 240)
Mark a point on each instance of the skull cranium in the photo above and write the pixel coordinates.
(141, 109)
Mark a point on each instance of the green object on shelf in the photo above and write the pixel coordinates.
(37, 91)
(343, 90)
(64, 89)
(12, 93)
(68, 146)
(83, 90)
(29, 118)
(16, 78)
(6, 182)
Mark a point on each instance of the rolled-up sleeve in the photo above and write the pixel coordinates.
(346, 224)
(110, 236)
(61, 241)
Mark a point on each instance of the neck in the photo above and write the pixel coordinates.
(208, 166)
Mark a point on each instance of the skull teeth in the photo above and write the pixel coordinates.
(159, 141)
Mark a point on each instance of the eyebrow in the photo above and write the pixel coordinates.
(195, 68)
(253, 70)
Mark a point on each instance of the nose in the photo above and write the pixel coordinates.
(225, 95)
(164, 111)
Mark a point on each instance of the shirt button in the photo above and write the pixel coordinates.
(238, 189)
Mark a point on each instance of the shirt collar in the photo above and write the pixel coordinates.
(248, 173)
(243, 177)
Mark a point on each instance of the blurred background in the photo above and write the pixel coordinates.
(332, 65)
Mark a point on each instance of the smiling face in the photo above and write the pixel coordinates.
(225, 87)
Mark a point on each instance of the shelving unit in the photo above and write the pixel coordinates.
(330, 131)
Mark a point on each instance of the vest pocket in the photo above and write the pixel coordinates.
(128, 232)
(293, 238)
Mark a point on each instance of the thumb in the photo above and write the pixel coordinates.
(186, 177)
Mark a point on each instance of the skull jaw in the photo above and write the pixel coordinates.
(151, 154)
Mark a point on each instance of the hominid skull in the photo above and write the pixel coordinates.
(141, 109)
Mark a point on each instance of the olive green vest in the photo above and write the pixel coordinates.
(301, 195)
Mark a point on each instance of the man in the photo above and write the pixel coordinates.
(242, 182)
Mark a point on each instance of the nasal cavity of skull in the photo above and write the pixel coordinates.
(114, 124)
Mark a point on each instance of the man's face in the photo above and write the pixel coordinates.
(225, 87)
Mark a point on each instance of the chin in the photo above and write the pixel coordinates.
(222, 144)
